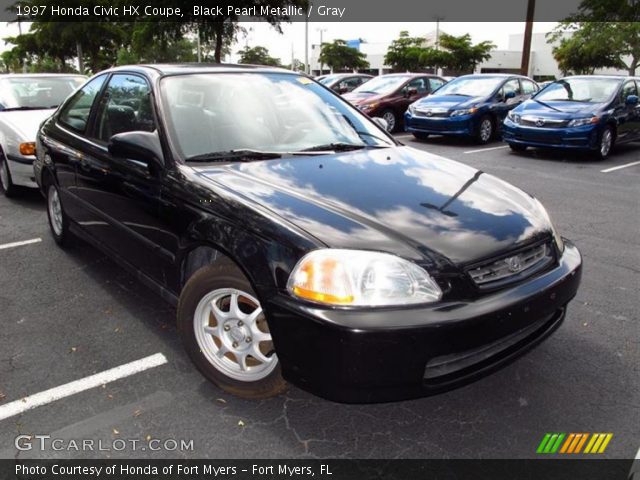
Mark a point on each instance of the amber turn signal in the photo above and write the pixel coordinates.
(28, 148)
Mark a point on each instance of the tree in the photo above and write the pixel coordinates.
(406, 53)
(580, 55)
(462, 55)
(182, 50)
(614, 23)
(257, 56)
(338, 56)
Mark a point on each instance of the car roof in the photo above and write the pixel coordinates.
(39, 75)
(191, 68)
(494, 75)
(410, 74)
(614, 77)
(340, 75)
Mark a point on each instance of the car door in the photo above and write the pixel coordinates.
(122, 195)
(529, 88)
(435, 83)
(413, 90)
(503, 104)
(64, 142)
(627, 115)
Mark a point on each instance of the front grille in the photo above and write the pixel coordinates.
(512, 267)
(536, 138)
(433, 113)
(543, 122)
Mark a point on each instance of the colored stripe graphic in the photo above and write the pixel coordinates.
(573, 443)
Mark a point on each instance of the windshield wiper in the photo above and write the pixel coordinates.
(335, 147)
(546, 105)
(244, 154)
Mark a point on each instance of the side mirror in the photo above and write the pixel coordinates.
(141, 146)
(381, 122)
(342, 90)
(412, 91)
(510, 95)
(632, 100)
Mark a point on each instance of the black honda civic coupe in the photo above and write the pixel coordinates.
(298, 240)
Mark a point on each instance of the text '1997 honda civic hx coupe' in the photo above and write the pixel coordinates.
(299, 240)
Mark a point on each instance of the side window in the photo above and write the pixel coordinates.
(125, 107)
(75, 114)
(420, 84)
(436, 83)
(511, 86)
(628, 88)
(528, 87)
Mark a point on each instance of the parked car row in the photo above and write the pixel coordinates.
(296, 236)
(590, 113)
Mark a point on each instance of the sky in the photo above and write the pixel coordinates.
(281, 45)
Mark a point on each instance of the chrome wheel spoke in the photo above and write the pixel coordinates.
(234, 332)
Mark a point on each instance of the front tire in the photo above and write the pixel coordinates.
(485, 130)
(605, 145)
(392, 121)
(58, 220)
(6, 183)
(225, 333)
(421, 135)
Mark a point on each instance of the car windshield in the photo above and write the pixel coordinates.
(470, 86)
(36, 93)
(580, 89)
(382, 85)
(260, 114)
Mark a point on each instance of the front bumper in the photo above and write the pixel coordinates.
(21, 169)
(579, 138)
(462, 125)
(392, 354)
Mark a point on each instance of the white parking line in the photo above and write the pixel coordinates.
(48, 396)
(613, 169)
(487, 149)
(19, 244)
(404, 135)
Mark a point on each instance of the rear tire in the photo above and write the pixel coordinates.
(421, 136)
(6, 183)
(225, 333)
(605, 143)
(485, 130)
(58, 220)
(517, 147)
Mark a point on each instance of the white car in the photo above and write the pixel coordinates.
(25, 101)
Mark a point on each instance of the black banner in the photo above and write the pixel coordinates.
(535, 469)
(313, 11)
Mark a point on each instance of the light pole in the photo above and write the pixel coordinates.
(306, 43)
(321, 30)
(438, 19)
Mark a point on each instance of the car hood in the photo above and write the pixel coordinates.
(447, 102)
(25, 123)
(563, 110)
(358, 98)
(399, 200)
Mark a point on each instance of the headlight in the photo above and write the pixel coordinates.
(412, 109)
(579, 122)
(466, 111)
(361, 278)
(514, 117)
(368, 107)
(556, 236)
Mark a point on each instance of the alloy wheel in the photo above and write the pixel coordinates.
(55, 210)
(486, 129)
(231, 330)
(606, 142)
(390, 118)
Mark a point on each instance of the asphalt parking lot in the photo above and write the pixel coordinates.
(67, 315)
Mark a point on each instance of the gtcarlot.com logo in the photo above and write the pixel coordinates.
(574, 443)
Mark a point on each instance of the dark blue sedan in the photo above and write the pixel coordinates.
(590, 113)
(471, 105)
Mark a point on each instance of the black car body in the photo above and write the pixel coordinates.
(502, 275)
